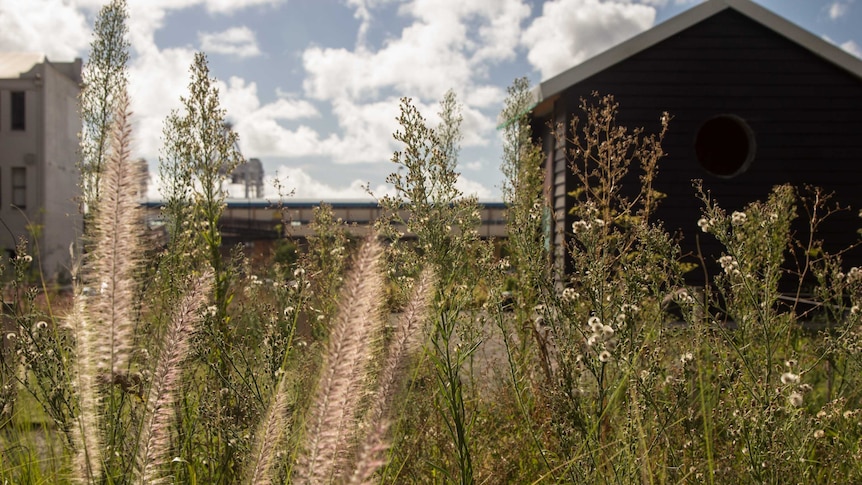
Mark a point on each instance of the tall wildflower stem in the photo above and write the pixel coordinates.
(445, 224)
(200, 151)
(449, 359)
(527, 210)
(526, 206)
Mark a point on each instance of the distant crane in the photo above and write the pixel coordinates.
(248, 172)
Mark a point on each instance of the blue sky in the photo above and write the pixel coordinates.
(312, 86)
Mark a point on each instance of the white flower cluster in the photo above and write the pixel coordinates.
(536, 212)
(570, 295)
(580, 227)
(629, 309)
(601, 337)
(704, 224)
(682, 296)
(589, 221)
(729, 265)
(854, 275)
(792, 379)
(738, 218)
(685, 358)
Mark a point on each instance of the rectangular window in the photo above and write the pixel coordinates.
(19, 110)
(19, 187)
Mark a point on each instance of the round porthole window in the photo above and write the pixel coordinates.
(725, 146)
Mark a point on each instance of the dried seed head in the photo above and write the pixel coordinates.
(789, 378)
(795, 399)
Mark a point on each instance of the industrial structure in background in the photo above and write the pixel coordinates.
(257, 224)
(39, 125)
(250, 175)
(39, 177)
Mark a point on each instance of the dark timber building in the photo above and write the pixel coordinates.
(756, 101)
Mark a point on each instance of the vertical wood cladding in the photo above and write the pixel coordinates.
(805, 112)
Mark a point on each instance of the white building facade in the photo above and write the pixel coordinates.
(39, 125)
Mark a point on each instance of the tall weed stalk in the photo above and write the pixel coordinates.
(527, 266)
(428, 204)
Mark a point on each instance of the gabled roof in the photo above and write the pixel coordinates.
(13, 64)
(683, 21)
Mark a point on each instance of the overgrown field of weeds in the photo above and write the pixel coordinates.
(366, 361)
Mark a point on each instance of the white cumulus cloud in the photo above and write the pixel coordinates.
(850, 46)
(230, 6)
(470, 187)
(853, 48)
(235, 41)
(570, 31)
(838, 10)
(446, 44)
(366, 131)
(156, 82)
(56, 28)
(259, 125)
(422, 63)
(301, 185)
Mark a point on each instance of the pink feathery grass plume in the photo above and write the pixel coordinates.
(332, 418)
(103, 324)
(86, 435)
(116, 248)
(268, 437)
(408, 333)
(154, 440)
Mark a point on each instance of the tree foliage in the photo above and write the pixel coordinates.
(105, 78)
